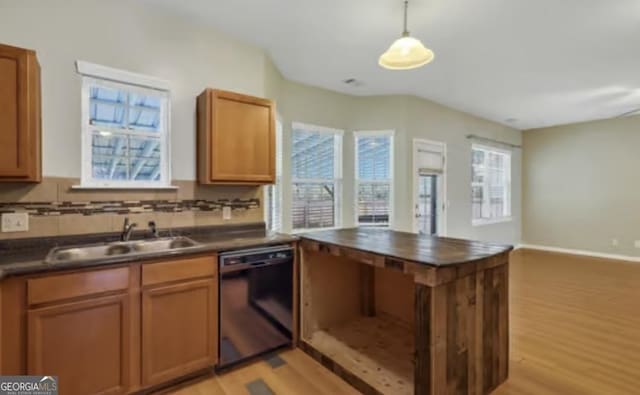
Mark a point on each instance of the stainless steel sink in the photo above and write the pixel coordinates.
(94, 252)
(171, 243)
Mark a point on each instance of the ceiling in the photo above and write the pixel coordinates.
(524, 63)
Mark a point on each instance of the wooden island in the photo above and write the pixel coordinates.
(398, 313)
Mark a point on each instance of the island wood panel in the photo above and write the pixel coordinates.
(331, 291)
(462, 334)
(423, 273)
(375, 354)
(401, 246)
(460, 319)
(358, 321)
(394, 295)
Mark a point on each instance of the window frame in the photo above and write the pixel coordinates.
(102, 76)
(337, 180)
(272, 203)
(390, 181)
(508, 187)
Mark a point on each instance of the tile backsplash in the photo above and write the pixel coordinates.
(55, 208)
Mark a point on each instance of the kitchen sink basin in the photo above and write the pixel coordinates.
(171, 243)
(95, 252)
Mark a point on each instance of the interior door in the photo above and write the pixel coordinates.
(429, 175)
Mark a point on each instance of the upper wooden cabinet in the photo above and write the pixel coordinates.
(20, 152)
(236, 139)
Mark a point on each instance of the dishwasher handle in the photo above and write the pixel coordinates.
(253, 265)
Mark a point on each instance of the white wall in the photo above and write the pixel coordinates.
(130, 36)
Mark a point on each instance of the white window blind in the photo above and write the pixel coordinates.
(125, 130)
(490, 185)
(374, 174)
(316, 175)
(273, 193)
(431, 158)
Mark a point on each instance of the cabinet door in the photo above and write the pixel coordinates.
(243, 139)
(19, 115)
(179, 329)
(85, 344)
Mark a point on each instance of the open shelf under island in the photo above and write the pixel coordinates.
(397, 313)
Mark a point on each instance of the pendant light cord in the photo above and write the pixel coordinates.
(405, 32)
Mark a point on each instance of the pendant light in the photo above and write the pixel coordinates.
(406, 52)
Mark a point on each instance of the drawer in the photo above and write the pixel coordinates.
(73, 285)
(179, 269)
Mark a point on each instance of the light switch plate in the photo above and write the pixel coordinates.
(15, 222)
(226, 213)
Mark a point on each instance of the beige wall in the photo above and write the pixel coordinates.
(143, 39)
(411, 118)
(127, 35)
(581, 188)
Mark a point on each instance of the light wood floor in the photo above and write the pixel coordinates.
(575, 329)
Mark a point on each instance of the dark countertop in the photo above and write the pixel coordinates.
(428, 250)
(27, 256)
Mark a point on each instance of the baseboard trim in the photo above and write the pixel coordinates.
(593, 254)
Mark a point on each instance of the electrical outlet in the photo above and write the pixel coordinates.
(226, 213)
(15, 222)
(636, 243)
(614, 242)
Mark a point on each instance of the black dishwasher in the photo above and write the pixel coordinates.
(256, 302)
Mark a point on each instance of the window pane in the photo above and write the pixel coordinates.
(108, 154)
(373, 203)
(128, 134)
(374, 158)
(313, 155)
(313, 205)
(476, 201)
(107, 107)
(373, 164)
(145, 158)
(144, 112)
(490, 188)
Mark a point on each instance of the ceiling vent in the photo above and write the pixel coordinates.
(353, 82)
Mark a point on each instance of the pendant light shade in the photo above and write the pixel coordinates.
(406, 52)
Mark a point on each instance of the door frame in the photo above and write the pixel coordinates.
(442, 184)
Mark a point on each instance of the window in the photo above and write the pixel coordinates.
(374, 173)
(316, 172)
(490, 185)
(125, 130)
(273, 193)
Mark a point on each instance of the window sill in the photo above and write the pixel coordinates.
(124, 187)
(298, 231)
(483, 222)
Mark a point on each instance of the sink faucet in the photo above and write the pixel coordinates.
(154, 229)
(127, 229)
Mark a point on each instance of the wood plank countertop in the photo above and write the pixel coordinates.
(428, 250)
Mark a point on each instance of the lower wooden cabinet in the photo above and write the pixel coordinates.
(179, 329)
(85, 344)
(115, 330)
